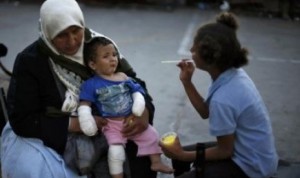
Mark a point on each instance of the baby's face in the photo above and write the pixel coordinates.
(106, 60)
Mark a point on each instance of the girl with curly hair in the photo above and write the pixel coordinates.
(237, 114)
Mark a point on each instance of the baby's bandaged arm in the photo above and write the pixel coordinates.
(86, 120)
(138, 106)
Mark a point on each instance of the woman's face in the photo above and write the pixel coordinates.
(106, 60)
(69, 40)
(199, 62)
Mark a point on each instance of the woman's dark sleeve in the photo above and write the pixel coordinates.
(125, 67)
(31, 92)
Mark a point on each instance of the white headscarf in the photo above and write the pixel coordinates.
(56, 16)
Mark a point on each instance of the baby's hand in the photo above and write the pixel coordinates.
(138, 106)
(86, 121)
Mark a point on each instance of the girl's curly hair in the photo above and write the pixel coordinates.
(217, 43)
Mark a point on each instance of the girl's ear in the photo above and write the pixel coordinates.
(92, 64)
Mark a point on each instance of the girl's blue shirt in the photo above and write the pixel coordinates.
(236, 107)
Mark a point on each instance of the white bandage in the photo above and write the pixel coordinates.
(116, 158)
(138, 106)
(86, 120)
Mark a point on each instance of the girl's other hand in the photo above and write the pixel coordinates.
(187, 69)
(173, 151)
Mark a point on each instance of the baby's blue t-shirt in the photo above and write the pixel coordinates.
(112, 98)
(236, 107)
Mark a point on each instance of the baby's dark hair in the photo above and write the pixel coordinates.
(218, 45)
(89, 51)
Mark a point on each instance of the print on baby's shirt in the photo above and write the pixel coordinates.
(115, 100)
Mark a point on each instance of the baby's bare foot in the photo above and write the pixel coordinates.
(160, 167)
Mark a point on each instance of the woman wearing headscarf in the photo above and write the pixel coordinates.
(43, 97)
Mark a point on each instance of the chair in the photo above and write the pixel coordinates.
(3, 110)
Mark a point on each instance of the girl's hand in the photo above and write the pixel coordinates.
(187, 69)
(134, 125)
(173, 151)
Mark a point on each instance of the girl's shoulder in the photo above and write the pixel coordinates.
(121, 76)
(115, 78)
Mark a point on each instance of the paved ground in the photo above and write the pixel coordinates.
(147, 35)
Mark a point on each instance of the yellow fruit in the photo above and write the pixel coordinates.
(169, 139)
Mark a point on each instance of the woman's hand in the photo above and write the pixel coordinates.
(74, 125)
(100, 122)
(187, 69)
(134, 125)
